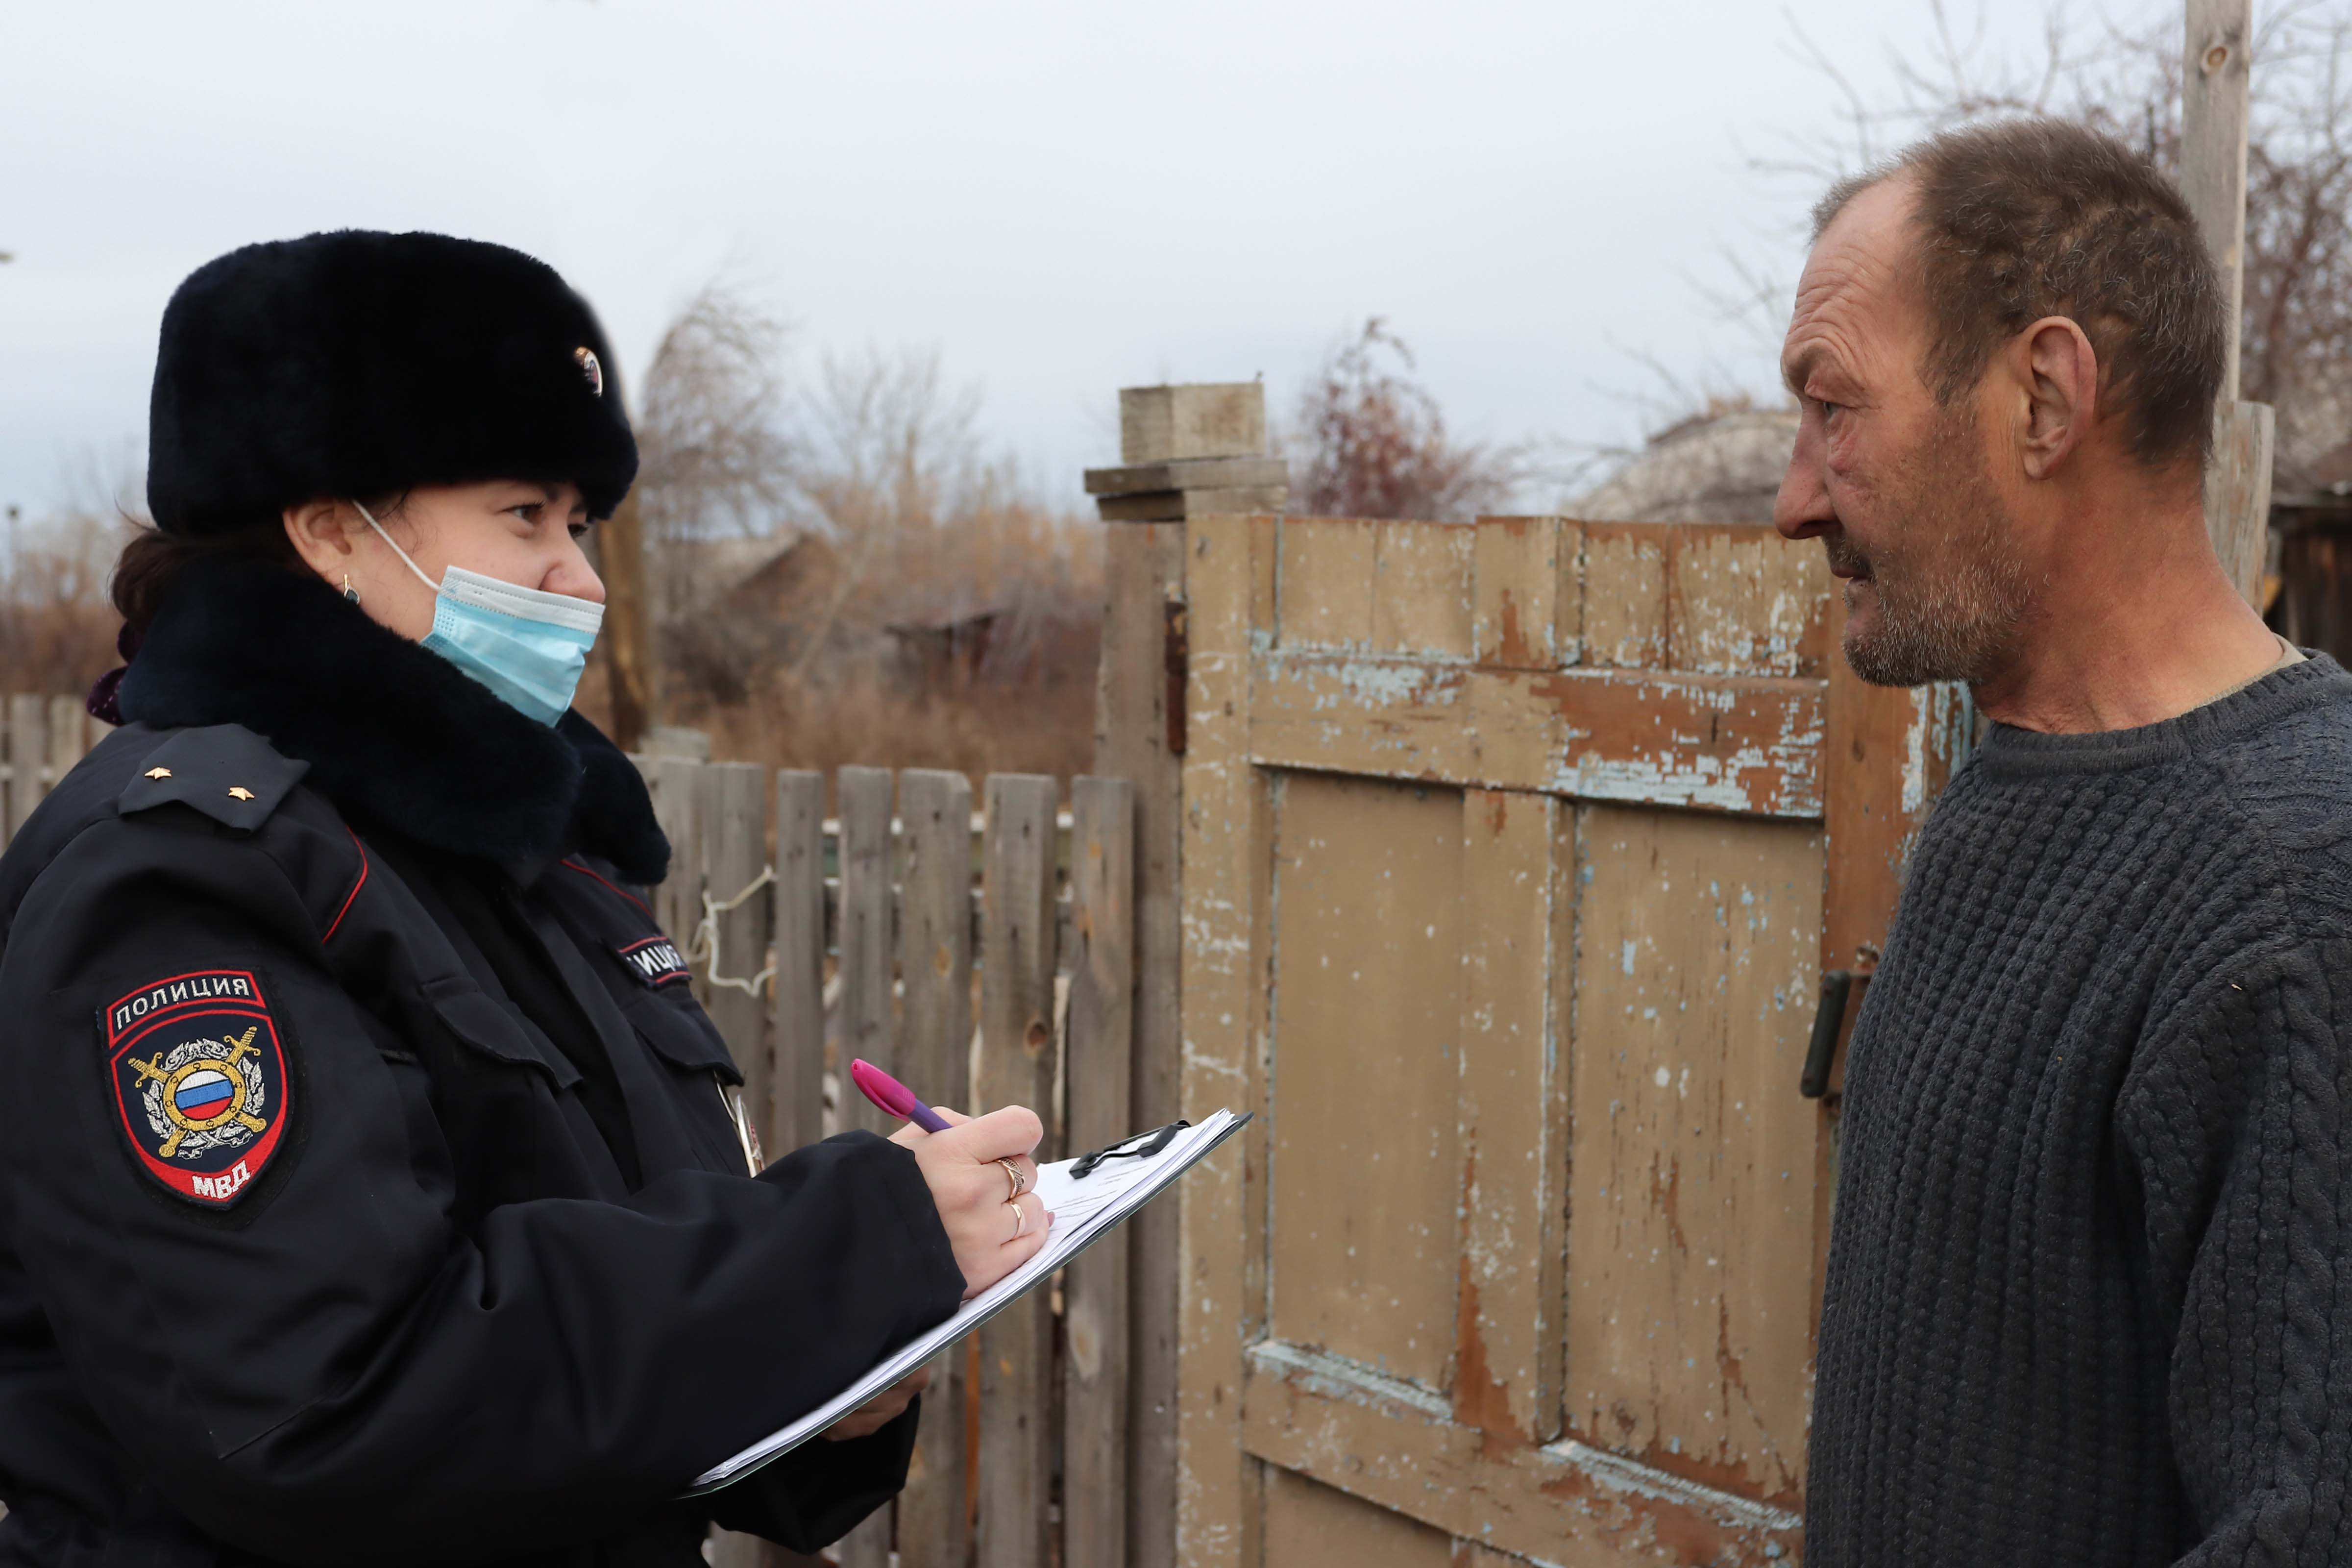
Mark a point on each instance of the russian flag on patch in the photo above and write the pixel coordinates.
(200, 1083)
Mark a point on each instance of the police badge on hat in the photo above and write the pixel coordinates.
(199, 1081)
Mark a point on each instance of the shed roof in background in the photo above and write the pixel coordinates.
(1712, 467)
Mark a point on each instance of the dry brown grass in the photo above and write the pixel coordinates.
(806, 539)
(814, 677)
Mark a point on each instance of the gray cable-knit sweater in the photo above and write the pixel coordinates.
(2090, 1278)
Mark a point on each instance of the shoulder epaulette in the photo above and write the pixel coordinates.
(225, 770)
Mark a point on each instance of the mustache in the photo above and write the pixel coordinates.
(1844, 557)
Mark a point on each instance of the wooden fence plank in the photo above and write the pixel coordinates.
(1691, 1213)
(935, 959)
(1370, 918)
(1751, 744)
(1143, 571)
(935, 932)
(1328, 565)
(866, 1022)
(1311, 1525)
(867, 958)
(797, 1110)
(866, 946)
(1518, 881)
(1421, 589)
(867, 1544)
(1391, 1444)
(1219, 1288)
(677, 902)
(1624, 592)
(727, 1549)
(70, 736)
(1527, 592)
(1743, 601)
(29, 756)
(1099, 1054)
(1016, 1066)
(732, 812)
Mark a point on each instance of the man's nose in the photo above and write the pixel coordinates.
(1801, 510)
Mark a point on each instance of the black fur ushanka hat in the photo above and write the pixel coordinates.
(357, 363)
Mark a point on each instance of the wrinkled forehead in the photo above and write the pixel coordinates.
(1858, 306)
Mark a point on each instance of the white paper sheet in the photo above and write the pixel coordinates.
(1082, 1210)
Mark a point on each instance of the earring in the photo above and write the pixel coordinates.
(350, 595)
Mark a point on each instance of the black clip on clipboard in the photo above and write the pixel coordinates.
(1138, 1145)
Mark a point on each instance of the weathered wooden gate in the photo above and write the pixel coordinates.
(1507, 894)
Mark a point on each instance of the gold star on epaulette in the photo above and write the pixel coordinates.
(158, 772)
(238, 792)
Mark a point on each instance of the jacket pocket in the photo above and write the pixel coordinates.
(682, 1034)
(475, 1019)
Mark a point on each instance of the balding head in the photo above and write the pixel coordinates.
(2024, 219)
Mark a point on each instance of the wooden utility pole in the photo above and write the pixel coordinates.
(1186, 452)
(2215, 88)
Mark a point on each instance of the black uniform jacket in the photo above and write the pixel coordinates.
(370, 1188)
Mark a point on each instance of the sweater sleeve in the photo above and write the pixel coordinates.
(2236, 1130)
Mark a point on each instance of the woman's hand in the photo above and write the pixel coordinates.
(991, 1235)
(881, 1410)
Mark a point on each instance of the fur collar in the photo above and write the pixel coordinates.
(397, 734)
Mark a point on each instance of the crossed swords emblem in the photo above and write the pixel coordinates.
(152, 1067)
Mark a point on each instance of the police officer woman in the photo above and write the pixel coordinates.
(374, 1189)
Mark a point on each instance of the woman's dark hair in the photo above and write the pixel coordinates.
(152, 563)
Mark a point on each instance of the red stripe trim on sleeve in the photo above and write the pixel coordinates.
(624, 893)
(337, 924)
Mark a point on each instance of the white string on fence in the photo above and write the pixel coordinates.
(705, 945)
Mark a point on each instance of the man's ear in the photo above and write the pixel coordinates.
(2060, 371)
(320, 532)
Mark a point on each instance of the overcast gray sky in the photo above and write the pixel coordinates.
(1065, 198)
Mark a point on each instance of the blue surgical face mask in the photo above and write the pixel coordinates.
(527, 646)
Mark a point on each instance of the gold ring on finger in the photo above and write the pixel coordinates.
(1020, 1220)
(1013, 1174)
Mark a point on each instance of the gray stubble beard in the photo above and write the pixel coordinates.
(1959, 594)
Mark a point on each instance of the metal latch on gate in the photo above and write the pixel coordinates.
(1177, 651)
(1828, 1022)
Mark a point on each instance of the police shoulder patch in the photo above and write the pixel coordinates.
(653, 961)
(199, 1081)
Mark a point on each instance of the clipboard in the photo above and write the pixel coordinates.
(1088, 1198)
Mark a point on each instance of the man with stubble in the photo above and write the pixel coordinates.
(2090, 1284)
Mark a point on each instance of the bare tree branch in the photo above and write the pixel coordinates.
(2122, 74)
(1376, 444)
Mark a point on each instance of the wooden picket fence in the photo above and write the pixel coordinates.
(986, 958)
(41, 738)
